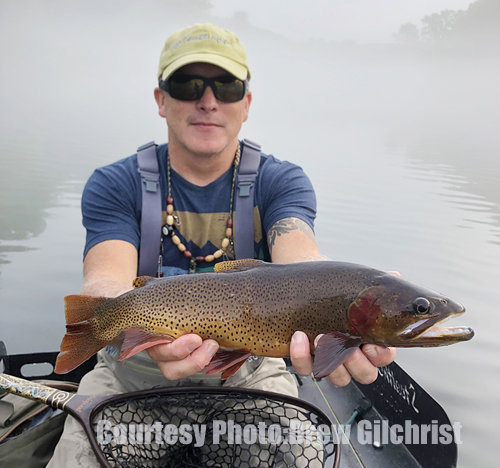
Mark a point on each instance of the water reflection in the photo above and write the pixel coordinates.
(25, 189)
(5, 249)
(460, 192)
(472, 169)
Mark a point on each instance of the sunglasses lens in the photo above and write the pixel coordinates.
(231, 91)
(191, 88)
(186, 89)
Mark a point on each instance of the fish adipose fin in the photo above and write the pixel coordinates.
(332, 350)
(79, 343)
(137, 340)
(238, 265)
(141, 281)
(226, 361)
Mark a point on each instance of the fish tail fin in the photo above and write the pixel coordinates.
(79, 343)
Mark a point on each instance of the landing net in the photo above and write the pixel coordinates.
(211, 427)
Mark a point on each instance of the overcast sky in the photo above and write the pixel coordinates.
(360, 20)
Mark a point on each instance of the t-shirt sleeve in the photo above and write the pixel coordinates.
(110, 204)
(286, 192)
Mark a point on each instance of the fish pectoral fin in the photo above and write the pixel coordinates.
(138, 340)
(226, 361)
(238, 265)
(332, 350)
(141, 281)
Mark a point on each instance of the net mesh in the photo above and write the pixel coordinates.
(226, 429)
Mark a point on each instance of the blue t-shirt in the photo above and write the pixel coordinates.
(112, 205)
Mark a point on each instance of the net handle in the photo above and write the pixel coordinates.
(79, 406)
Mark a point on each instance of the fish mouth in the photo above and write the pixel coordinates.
(430, 332)
(437, 334)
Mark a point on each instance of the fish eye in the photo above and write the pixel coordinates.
(421, 305)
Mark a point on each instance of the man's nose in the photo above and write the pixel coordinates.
(208, 101)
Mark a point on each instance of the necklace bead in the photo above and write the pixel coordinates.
(168, 230)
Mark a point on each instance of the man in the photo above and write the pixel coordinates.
(203, 95)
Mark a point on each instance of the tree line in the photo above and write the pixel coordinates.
(476, 29)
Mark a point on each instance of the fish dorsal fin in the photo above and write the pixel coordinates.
(141, 281)
(238, 265)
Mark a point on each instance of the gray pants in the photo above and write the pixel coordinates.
(74, 449)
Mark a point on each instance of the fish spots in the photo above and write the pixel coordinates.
(258, 309)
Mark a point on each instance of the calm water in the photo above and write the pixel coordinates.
(403, 152)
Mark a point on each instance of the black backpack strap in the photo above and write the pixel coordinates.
(244, 203)
(149, 249)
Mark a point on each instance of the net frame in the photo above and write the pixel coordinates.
(246, 408)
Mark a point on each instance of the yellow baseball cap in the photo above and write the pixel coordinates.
(204, 43)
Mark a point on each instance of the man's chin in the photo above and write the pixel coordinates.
(208, 146)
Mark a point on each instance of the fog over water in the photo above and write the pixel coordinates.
(363, 21)
(400, 138)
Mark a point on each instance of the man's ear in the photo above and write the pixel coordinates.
(248, 101)
(160, 100)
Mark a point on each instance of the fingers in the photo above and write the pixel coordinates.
(177, 349)
(300, 353)
(379, 356)
(362, 365)
(358, 367)
(340, 377)
(184, 356)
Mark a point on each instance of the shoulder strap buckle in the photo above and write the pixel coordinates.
(244, 187)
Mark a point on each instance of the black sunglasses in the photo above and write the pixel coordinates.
(226, 88)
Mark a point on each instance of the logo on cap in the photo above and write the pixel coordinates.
(201, 38)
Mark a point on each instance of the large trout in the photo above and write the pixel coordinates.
(253, 308)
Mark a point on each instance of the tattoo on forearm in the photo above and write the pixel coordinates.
(285, 226)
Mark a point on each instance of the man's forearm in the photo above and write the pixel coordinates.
(292, 240)
(101, 287)
(109, 268)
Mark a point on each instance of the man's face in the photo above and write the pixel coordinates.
(207, 126)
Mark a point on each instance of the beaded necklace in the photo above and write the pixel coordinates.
(168, 230)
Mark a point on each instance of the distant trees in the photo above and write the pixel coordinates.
(407, 34)
(441, 26)
(476, 29)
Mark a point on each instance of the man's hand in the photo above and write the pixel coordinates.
(362, 365)
(184, 356)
